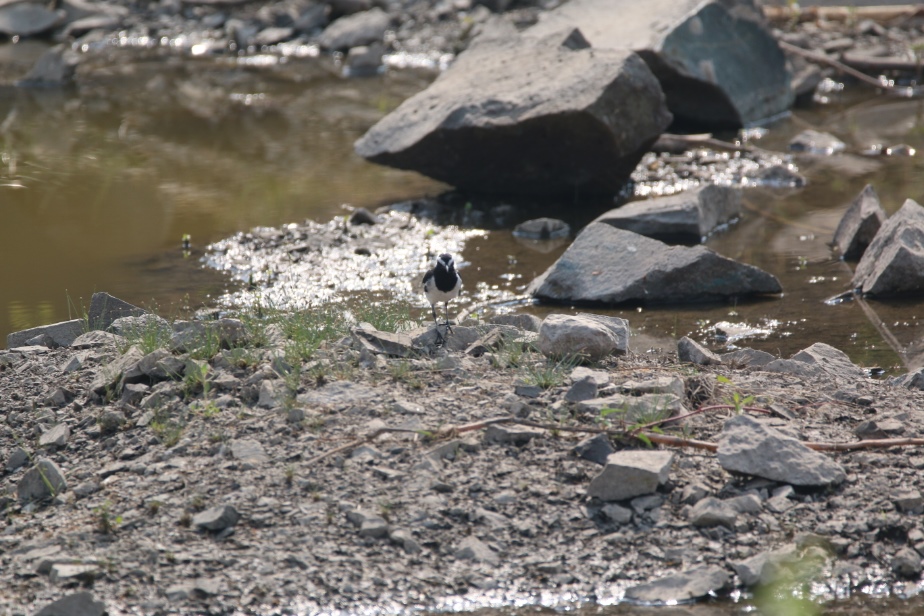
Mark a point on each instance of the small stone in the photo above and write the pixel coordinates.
(249, 452)
(77, 604)
(909, 501)
(907, 563)
(44, 480)
(679, 587)
(690, 351)
(617, 513)
(217, 518)
(584, 389)
(18, 456)
(496, 433)
(526, 390)
(693, 493)
(595, 448)
(712, 511)
(406, 540)
(472, 548)
(55, 437)
(66, 573)
(631, 473)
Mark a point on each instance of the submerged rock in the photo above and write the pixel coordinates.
(893, 264)
(859, 225)
(610, 265)
(815, 142)
(691, 214)
(517, 115)
(716, 67)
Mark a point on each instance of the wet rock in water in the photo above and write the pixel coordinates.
(364, 60)
(596, 449)
(693, 352)
(104, 309)
(779, 176)
(750, 447)
(56, 67)
(77, 604)
(684, 586)
(57, 334)
(500, 121)
(893, 264)
(746, 358)
(591, 336)
(815, 142)
(691, 214)
(273, 35)
(216, 518)
(362, 28)
(28, 18)
(542, 229)
(44, 480)
(610, 265)
(628, 474)
(859, 225)
(715, 67)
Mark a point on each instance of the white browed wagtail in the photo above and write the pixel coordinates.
(442, 283)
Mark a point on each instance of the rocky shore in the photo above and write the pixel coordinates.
(300, 465)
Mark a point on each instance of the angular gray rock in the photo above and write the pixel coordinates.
(527, 322)
(369, 524)
(716, 66)
(610, 265)
(746, 358)
(248, 451)
(690, 351)
(95, 339)
(516, 115)
(684, 586)
(584, 389)
(55, 437)
(893, 263)
(688, 215)
(104, 309)
(542, 229)
(590, 336)
(818, 360)
(384, 343)
(596, 448)
(55, 67)
(749, 447)
(76, 604)
(812, 141)
(226, 333)
(109, 377)
(712, 511)
(44, 480)
(60, 334)
(474, 549)
(859, 225)
(628, 474)
(361, 28)
(514, 435)
(216, 518)
(907, 563)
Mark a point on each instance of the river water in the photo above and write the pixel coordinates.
(99, 184)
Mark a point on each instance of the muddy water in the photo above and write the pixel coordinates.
(99, 185)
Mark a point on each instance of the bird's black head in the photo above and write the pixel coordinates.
(446, 261)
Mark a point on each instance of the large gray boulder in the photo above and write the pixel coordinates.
(859, 225)
(750, 447)
(691, 214)
(610, 265)
(716, 66)
(518, 115)
(893, 264)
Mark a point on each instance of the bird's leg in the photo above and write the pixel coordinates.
(436, 322)
(448, 324)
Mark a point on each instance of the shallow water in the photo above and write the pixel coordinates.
(99, 185)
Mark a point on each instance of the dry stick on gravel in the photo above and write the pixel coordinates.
(843, 68)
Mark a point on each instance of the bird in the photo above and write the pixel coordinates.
(442, 283)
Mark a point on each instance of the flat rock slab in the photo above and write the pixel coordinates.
(685, 586)
(716, 67)
(893, 264)
(384, 343)
(612, 266)
(248, 451)
(583, 335)
(528, 116)
(628, 474)
(749, 447)
(688, 215)
(339, 393)
(859, 225)
(58, 334)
